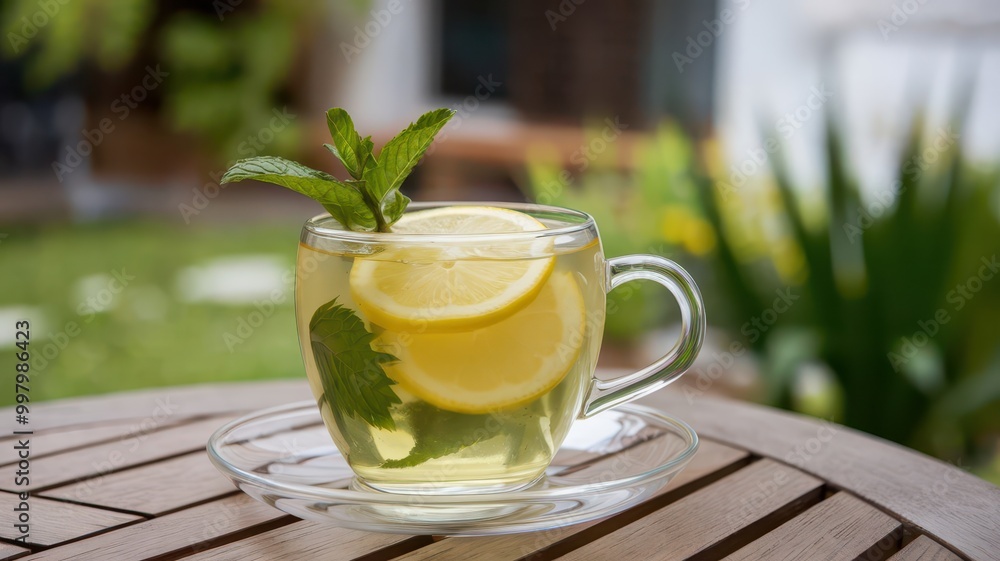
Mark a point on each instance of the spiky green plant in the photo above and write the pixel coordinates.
(882, 298)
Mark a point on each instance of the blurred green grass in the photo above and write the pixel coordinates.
(150, 336)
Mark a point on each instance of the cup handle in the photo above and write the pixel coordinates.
(605, 394)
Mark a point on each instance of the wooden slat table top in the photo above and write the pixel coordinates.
(8, 551)
(924, 549)
(841, 526)
(126, 477)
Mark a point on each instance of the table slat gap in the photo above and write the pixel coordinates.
(173, 484)
(395, 550)
(9, 552)
(620, 520)
(145, 515)
(910, 532)
(114, 432)
(222, 541)
(840, 526)
(710, 522)
(116, 457)
(222, 398)
(141, 515)
(77, 427)
(233, 493)
(894, 477)
(761, 527)
(27, 548)
(53, 522)
(176, 535)
(303, 539)
(924, 548)
(37, 548)
(712, 462)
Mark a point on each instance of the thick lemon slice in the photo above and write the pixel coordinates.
(453, 286)
(508, 363)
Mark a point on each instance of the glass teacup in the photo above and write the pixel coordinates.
(456, 362)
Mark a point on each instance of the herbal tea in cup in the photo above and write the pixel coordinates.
(451, 346)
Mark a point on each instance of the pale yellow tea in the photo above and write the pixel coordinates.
(451, 363)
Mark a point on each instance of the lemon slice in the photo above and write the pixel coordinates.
(453, 286)
(511, 362)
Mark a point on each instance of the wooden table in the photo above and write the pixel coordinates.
(126, 477)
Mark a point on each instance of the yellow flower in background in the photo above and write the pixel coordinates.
(711, 153)
(788, 261)
(680, 226)
(673, 223)
(699, 237)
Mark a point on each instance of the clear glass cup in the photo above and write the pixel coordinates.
(422, 395)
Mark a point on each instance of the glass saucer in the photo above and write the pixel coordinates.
(284, 457)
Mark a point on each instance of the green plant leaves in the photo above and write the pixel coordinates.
(438, 433)
(399, 155)
(346, 142)
(344, 202)
(351, 373)
(371, 200)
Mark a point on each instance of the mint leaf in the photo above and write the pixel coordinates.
(399, 155)
(346, 140)
(345, 203)
(333, 150)
(348, 207)
(367, 155)
(438, 433)
(394, 205)
(351, 373)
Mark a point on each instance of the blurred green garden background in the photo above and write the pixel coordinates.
(846, 238)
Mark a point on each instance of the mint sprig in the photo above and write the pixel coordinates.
(371, 200)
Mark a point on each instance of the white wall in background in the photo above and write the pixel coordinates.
(775, 52)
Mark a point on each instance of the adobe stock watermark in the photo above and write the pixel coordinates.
(927, 329)
(785, 127)
(121, 107)
(803, 453)
(486, 86)
(248, 148)
(913, 168)
(799, 455)
(129, 444)
(629, 456)
(942, 485)
(364, 35)
(703, 40)
(32, 24)
(87, 309)
(563, 11)
(757, 326)
(263, 309)
(705, 377)
(226, 520)
(757, 502)
(900, 16)
(582, 158)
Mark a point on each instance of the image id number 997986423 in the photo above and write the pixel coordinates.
(22, 440)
